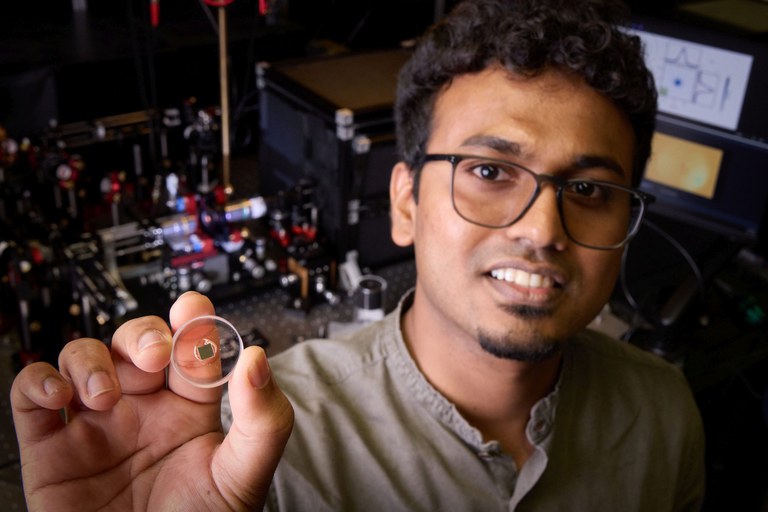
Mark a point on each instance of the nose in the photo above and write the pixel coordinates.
(541, 226)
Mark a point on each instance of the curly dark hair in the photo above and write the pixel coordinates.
(584, 37)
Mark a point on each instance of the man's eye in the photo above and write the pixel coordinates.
(489, 172)
(586, 189)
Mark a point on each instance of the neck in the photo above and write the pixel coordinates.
(462, 371)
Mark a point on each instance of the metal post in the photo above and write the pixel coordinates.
(223, 72)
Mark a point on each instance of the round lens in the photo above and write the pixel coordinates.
(205, 351)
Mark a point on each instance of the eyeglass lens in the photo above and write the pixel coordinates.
(497, 194)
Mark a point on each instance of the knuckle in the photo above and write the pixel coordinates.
(27, 375)
(139, 324)
(79, 344)
(76, 348)
(130, 324)
(126, 338)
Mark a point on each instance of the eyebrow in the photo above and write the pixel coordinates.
(496, 143)
(511, 148)
(597, 161)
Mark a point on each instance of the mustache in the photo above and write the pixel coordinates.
(526, 311)
(519, 251)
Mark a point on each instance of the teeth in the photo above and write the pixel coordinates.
(522, 278)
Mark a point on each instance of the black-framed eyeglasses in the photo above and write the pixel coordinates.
(497, 193)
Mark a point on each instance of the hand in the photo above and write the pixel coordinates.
(130, 443)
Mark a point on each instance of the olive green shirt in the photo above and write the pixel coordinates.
(621, 432)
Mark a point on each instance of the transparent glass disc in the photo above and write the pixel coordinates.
(205, 351)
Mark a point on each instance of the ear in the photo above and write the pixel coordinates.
(403, 205)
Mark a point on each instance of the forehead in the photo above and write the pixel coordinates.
(547, 117)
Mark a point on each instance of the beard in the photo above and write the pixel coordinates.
(532, 350)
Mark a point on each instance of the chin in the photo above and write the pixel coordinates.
(533, 351)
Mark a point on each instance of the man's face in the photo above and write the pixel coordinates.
(523, 289)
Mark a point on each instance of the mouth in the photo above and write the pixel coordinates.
(523, 279)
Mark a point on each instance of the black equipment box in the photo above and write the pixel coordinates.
(329, 121)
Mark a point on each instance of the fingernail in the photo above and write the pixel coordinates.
(52, 385)
(259, 373)
(99, 383)
(151, 339)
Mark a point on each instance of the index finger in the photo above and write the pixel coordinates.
(188, 306)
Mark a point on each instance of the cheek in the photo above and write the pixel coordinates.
(436, 236)
(596, 282)
(436, 219)
(442, 238)
(600, 271)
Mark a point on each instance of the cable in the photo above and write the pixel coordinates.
(240, 109)
(623, 281)
(360, 24)
(631, 301)
(211, 19)
(683, 251)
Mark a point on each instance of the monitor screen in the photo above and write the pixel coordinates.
(708, 178)
(709, 160)
(685, 166)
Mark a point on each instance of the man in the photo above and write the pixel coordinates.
(523, 126)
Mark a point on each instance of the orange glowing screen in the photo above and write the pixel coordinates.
(684, 165)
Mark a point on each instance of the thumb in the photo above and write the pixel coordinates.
(262, 422)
